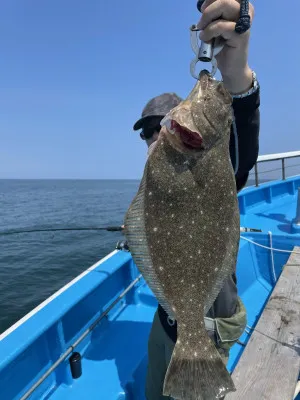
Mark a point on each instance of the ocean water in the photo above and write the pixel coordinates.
(33, 266)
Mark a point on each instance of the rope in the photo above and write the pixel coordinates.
(272, 257)
(249, 328)
(244, 21)
(270, 248)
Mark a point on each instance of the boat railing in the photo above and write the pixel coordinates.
(279, 157)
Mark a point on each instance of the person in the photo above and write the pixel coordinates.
(226, 320)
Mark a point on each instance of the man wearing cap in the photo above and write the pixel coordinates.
(226, 320)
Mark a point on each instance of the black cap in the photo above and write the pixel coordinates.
(158, 107)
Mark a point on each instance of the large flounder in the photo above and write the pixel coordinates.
(183, 231)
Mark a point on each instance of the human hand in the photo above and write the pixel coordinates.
(218, 20)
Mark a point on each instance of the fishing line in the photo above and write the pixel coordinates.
(108, 229)
(236, 144)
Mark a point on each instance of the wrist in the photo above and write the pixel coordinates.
(238, 82)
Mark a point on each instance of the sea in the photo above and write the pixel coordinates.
(35, 265)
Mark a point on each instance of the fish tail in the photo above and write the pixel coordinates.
(197, 373)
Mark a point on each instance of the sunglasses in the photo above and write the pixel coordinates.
(151, 126)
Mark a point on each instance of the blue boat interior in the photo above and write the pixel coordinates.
(114, 354)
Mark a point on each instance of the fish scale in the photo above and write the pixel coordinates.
(171, 229)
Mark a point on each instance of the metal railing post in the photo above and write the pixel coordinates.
(297, 219)
(256, 175)
(283, 169)
(272, 158)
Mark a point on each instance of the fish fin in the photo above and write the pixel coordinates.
(136, 235)
(197, 374)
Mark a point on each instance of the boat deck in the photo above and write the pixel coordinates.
(274, 344)
(115, 352)
(114, 362)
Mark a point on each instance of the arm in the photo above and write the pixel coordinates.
(247, 117)
(219, 20)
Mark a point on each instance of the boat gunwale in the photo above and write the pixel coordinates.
(16, 338)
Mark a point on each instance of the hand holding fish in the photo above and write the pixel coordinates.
(218, 21)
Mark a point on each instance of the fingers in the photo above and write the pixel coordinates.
(225, 29)
(220, 9)
(209, 2)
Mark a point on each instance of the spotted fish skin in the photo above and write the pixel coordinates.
(183, 230)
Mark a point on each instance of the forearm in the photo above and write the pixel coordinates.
(238, 82)
(247, 117)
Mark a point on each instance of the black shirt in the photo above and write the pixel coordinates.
(247, 116)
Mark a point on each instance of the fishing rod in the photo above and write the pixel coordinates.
(107, 228)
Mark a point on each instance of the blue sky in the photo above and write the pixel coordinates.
(75, 75)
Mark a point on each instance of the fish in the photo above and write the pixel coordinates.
(183, 231)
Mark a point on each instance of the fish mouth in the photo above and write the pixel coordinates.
(191, 140)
